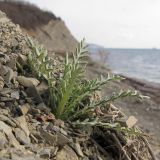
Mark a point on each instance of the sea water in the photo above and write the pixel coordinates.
(142, 64)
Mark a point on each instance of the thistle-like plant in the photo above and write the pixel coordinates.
(72, 89)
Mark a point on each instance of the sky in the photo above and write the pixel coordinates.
(110, 23)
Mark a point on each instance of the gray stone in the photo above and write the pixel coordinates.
(27, 82)
(42, 88)
(13, 61)
(9, 76)
(21, 122)
(53, 128)
(3, 70)
(48, 137)
(3, 141)
(24, 108)
(5, 91)
(15, 95)
(21, 136)
(78, 150)
(43, 108)
(35, 111)
(66, 153)
(131, 121)
(62, 139)
(45, 153)
(8, 131)
(6, 99)
(3, 111)
(22, 157)
(2, 104)
(33, 93)
(7, 120)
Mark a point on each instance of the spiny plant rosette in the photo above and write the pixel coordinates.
(69, 97)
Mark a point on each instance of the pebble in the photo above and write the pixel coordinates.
(9, 76)
(7, 120)
(3, 140)
(21, 136)
(45, 153)
(27, 82)
(8, 131)
(24, 108)
(48, 137)
(66, 153)
(21, 122)
(15, 95)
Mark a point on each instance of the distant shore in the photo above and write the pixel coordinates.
(150, 89)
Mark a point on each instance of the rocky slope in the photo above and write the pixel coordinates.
(42, 25)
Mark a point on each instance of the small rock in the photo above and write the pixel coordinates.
(78, 150)
(7, 73)
(21, 136)
(131, 121)
(42, 88)
(27, 82)
(6, 99)
(44, 108)
(33, 93)
(62, 139)
(52, 128)
(14, 42)
(23, 156)
(7, 120)
(5, 91)
(3, 140)
(15, 95)
(24, 108)
(35, 111)
(2, 104)
(66, 153)
(48, 137)
(8, 131)
(21, 122)
(3, 70)
(63, 131)
(9, 76)
(3, 111)
(13, 61)
(45, 153)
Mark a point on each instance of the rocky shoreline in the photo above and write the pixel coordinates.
(148, 88)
